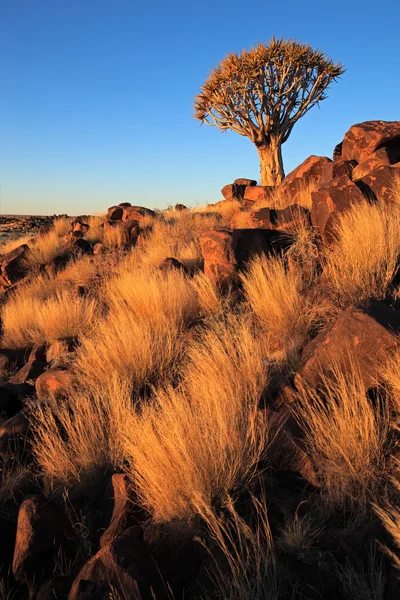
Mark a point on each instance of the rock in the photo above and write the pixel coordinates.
(99, 248)
(366, 332)
(124, 565)
(220, 263)
(244, 181)
(14, 434)
(378, 184)
(123, 515)
(331, 200)
(114, 213)
(180, 207)
(135, 213)
(55, 383)
(338, 168)
(259, 193)
(8, 360)
(79, 227)
(29, 372)
(233, 191)
(362, 139)
(225, 252)
(41, 527)
(82, 246)
(22, 383)
(169, 264)
(337, 152)
(287, 219)
(14, 266)
(308, 173)
(132, 230)
(287, 452)
(58, 350)
(378, 158)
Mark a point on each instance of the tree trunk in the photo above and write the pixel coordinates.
(271, 165)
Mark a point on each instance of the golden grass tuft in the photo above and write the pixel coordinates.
(45, 249)
(61, 226)
(76, 442)
(141, 339)
(29, 319)
(346, 436)
(193, 445)
(283, 313)
(364, 258)
(11, 245)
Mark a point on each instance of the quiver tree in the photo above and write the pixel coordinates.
(262, 92)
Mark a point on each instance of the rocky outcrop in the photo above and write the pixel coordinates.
(309, 173)
(363, 139)
(366, 334)
(329, 201)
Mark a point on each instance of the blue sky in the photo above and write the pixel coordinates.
(97, 97)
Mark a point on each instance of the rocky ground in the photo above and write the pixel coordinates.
(316, 512)
(15, 226)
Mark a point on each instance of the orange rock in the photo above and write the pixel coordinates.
(308, 173)
(362, 139)
(378, 184)
(378, 158)
(233, 191)
(54, 383)
(331, 199)
(366, 332)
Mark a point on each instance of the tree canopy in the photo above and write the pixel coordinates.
(265, 90)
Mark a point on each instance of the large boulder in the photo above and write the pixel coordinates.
(225, 252)
(125, 566)
(379, 183)
(365, 333)
(135, 213)
(244, 181)
(331, 200)
(310, 172)
(259, 193)
(55, 383)
(114, 213)
(362, 139)
(378, 158)
(233, 191)
(14, 265)
(42, 526)
(286, 219)
(339, 168)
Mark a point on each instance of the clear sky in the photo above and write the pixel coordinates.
(96, 97)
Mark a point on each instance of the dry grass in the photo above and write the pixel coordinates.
(142, 336)
(95, 232)
(61, 226)
(363, 260)
(175, 236)
(76, 442)
(346, 437)
(248, 570)
(28, 318)
(195, 444)
(45, 249)
(283, 313)
(11, 245)
(389, 514)
(115, 237)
